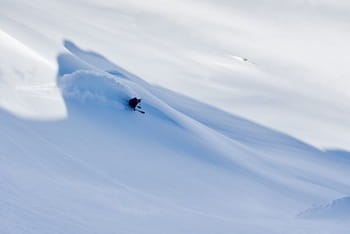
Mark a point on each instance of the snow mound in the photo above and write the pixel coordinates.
(339, 208)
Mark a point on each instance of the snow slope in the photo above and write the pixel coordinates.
(75, 159)
(24, 87)
(183, 167)
(337, 209)
(295, 78)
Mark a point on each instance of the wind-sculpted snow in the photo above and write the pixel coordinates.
(107, 169)
(279, 63)
(74, 158)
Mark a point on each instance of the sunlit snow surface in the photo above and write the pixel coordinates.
(280, 63)
(183, 167)
(75, 159)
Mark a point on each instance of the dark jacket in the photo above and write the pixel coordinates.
(133, 102)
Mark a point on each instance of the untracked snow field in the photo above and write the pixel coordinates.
(216, 79)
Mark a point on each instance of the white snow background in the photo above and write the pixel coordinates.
(75, 159)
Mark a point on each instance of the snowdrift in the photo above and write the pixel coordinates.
(107, 169)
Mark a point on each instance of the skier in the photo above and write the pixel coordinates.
(133, 103)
